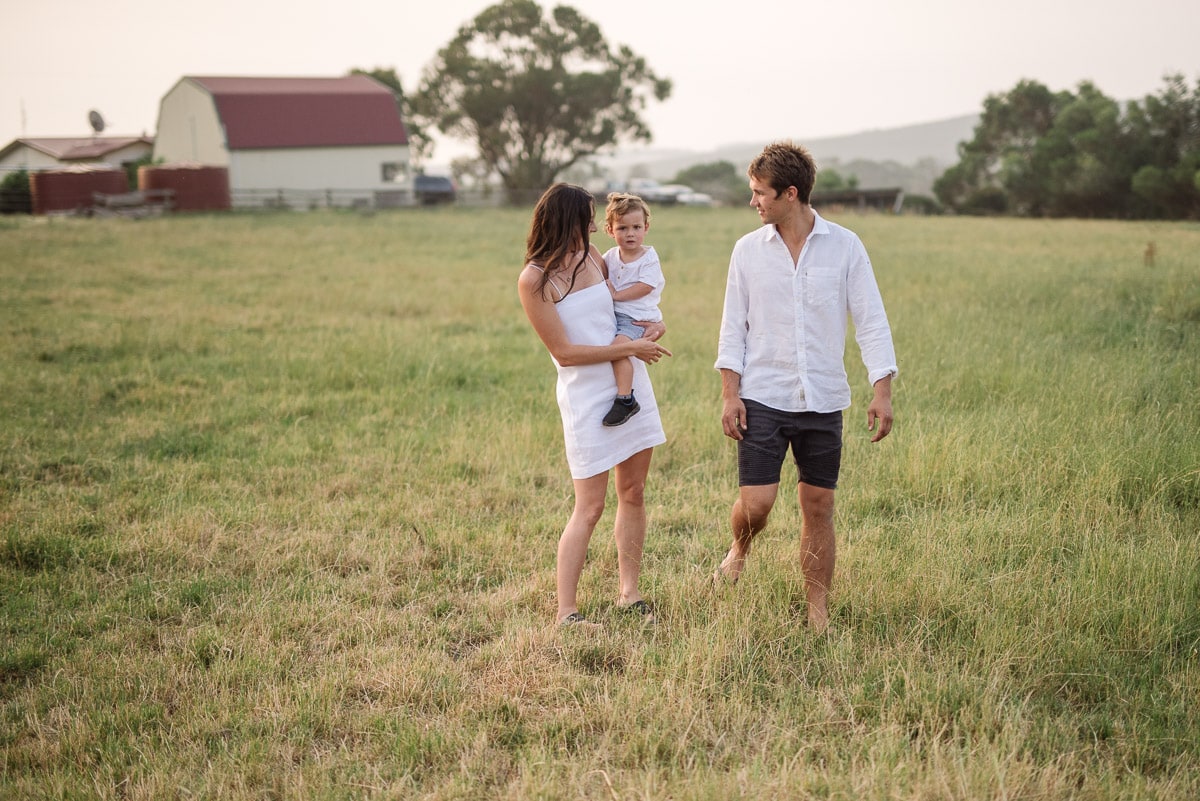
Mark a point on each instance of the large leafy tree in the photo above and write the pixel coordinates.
(1165, 129)
(1001, 156)
(536, 93)
(1083, 159)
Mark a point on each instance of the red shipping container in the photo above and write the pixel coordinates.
(193, 187)
(71, 190)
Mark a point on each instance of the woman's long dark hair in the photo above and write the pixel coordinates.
(560, 226)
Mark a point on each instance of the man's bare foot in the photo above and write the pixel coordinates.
(718, 579)
(730, 569)
(818, 618)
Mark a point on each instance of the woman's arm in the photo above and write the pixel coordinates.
(549, 328)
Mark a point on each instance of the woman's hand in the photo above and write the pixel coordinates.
(652, 330)
(648, 350)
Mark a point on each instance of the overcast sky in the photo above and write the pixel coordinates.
(742, 71)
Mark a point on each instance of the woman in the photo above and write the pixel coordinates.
(564, 294)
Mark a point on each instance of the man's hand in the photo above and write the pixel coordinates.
(880, 410)
(733, 418)
(733, 411)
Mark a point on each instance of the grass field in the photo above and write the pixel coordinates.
(279, 498)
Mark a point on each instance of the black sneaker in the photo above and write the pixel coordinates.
(621, 411)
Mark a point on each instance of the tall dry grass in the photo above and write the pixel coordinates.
(279, 497)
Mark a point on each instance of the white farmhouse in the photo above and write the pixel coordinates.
(289, 141)
(61, 152)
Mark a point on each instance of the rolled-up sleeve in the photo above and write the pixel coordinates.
(731, 344)
(871, 328)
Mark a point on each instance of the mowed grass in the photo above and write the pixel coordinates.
(279, 498)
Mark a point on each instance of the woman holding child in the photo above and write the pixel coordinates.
(564, 293)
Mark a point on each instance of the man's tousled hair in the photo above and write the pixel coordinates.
(783, 164)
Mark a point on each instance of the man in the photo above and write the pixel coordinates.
(791, 286)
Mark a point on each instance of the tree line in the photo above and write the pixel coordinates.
(537, 94)
(1081, 154)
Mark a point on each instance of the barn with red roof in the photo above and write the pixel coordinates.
(290, 141)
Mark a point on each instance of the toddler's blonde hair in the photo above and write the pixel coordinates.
(622, 203)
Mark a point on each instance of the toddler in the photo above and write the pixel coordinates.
(636, 281)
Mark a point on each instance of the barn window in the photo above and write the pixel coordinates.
(394, 171)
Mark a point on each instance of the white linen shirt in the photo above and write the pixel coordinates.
(784, 324)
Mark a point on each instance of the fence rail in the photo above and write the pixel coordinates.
(17, 202)
(142, 203)
(312, 199)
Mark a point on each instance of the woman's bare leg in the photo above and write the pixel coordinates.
(573, 544)
(630, 527)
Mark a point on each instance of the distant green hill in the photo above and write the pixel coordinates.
(910, 157)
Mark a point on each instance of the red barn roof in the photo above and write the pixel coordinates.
(305, 112)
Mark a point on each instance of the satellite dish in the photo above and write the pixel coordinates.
(96, 121)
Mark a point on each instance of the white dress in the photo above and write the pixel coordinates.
(585, 393)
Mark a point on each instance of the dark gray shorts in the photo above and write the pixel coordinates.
(815, 439)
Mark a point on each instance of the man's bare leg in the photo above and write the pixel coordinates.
(818, 552)
(748, 517)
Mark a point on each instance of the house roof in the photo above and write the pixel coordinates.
(305, 112)
(77, 148)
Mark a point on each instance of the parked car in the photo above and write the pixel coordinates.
(694, 198)
(653, 192)
(430, 190)
(658, 194)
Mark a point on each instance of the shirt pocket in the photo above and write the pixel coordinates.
(822, 287)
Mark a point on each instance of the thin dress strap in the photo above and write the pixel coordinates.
(591, 259)
(550, 281)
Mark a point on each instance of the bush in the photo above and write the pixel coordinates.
(987, 201)
(131, 169)
(15, 195)
(922, 204)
